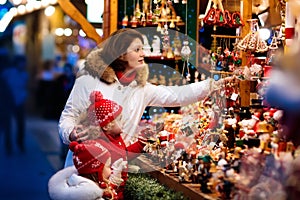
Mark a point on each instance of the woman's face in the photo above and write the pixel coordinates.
(134, 55)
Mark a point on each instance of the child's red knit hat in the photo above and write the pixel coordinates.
(102, 111)
(90, 157)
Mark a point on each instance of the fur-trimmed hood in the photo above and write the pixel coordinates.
(96, 67)
(67, 184)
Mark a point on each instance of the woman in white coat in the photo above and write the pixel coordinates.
(117, 69)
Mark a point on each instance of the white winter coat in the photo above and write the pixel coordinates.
(134, 98)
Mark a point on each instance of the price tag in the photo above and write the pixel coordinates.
(234, 96)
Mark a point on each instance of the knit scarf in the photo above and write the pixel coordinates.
(126, 78)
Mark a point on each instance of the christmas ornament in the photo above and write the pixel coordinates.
(185, 50)
(252, 42)
(125, 19)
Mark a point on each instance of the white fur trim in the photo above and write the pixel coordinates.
(66, 184)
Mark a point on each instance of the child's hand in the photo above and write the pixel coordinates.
(117, 168)
(147, 133)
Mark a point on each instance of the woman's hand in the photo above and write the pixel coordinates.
(223, 81)
(79, 134)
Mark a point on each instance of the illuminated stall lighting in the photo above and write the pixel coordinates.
(21, 9)
(59, 31)
(68, 32)
(37, 4)
(82, 33)
(53, 2)
(75, 48)
(17, 2)
(14, 11)
(45, 3)
(29, 7)
(49, 11)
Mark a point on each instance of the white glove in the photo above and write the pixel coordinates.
(67, 184)
(117, 168)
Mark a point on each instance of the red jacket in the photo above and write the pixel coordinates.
(117, 148)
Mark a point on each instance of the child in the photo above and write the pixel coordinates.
(97, 178)
(92, 158)
(106, 115)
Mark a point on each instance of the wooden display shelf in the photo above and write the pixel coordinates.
(190, 190)
(159, 58)
(151, 24)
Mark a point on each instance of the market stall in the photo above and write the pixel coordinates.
(232, 145)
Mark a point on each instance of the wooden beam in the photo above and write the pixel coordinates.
(76, 15)
(113, 15)
(106, 19)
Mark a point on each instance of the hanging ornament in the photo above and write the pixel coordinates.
(149, 16)
(166, 40)
(143, 20)
(185, 50)
(271, 54)
(273, 44)
(157, 10)
(138, 12)
(170, 53)
(177, 44)
(158, 29)
(185, 55)
(172, 24)
(236, 20)
(252, 42)
(149, 12)
(125, 19)
(134, 22)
